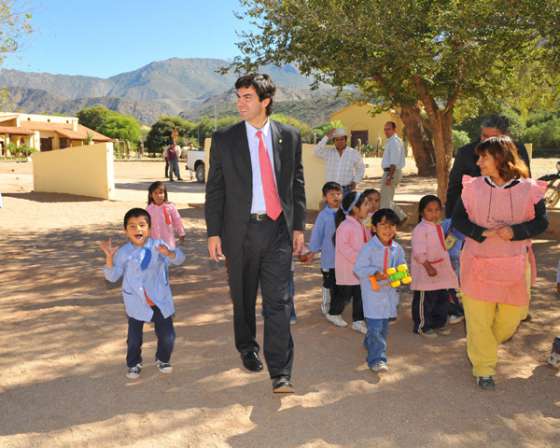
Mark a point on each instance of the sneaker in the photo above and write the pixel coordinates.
(337, 320)
(326, 301)
(485, 382)
(293, 320)
(392, 320)
(430, 334)
(454, 319)
(379, 366)
(443, 331)
(359, 326)
(134, 372)
(164, 367)
(554, 358)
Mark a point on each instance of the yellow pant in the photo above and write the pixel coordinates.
(488, 325)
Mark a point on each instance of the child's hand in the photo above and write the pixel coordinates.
(182, 238)
(307, 257)
(489, 233)
(108, 248)
(165, 251)
(432, 272)
(380, 276)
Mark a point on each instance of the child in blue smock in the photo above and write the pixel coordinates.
(143, 263)
(379, 254)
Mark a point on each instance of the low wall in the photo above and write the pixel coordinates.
(82, 170)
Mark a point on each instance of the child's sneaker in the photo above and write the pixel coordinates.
(486, 382)
(430, 334)
(134, 372)
(454, 319)
(359, 326)
(164, 367)
(379, 366)
(554, 358)
(337, 320)
(443, 331)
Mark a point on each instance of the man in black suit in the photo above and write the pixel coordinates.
(465, 159)
(255, 216)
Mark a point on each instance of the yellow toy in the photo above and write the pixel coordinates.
(395, 277)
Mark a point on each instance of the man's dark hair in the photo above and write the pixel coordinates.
(263, 85)
(393, 124)
(386, 213)
(329, 186)
(497, 122)
(137, 213)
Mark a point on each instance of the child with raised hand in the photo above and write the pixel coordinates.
(433, 276)
(380, 304)
(322, 240)
(374, 199)
(350, 237)
(166, 221)
(143, 262)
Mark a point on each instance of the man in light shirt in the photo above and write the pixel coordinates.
(393, 163)
(344, 164)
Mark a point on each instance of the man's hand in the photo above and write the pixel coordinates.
(298, 242)
(307, 258)
(331, 133)
(166, 252)
(109, 250)
(505, 233)
(215, 248)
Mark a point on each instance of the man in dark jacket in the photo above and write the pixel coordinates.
(465, 159)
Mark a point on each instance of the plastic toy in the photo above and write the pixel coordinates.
(395, 277)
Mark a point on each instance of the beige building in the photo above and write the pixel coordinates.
(44, 132)
(362, 124)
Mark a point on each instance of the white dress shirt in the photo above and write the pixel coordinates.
(258, 204)
(343, 169)
(393, 153)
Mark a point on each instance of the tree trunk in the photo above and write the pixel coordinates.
(422, 148)
(441, 122)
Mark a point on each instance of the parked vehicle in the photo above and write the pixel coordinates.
(552, 193)
(195, 163)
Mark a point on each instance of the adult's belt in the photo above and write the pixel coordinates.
(259, 217)
(386, 169)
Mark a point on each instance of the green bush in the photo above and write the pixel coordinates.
(460, 138)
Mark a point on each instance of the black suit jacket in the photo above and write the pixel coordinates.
(465, 163)
(229, 188)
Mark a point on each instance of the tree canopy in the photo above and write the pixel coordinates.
(111, 123)
(405, 54)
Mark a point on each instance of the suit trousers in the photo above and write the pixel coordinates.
(265, 261)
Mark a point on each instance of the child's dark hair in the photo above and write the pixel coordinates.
(369, 191)
(153, 187)
(330, 186)
(348, 203)
(385, 213)
(424, 203)
(137, 213)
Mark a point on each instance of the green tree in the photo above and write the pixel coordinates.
(159, 135)
(110, 123)
(412, 54)
(304, 129)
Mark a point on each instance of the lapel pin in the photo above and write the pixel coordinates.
(279, 140)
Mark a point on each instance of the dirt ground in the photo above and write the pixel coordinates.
(63, 330)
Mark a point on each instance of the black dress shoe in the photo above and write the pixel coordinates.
(282, 385)
(251, 361)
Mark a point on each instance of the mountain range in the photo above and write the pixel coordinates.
(189, 87)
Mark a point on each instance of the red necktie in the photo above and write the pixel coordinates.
(271, 198)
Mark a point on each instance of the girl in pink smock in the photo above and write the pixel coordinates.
(432, 272)
(166, 221)
(499, 213)
(350, 237)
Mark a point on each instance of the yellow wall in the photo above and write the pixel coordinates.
(357, 117)
(84, 170)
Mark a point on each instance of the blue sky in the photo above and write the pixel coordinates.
(106, 37)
